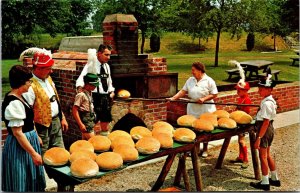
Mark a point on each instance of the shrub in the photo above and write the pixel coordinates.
(250, 41)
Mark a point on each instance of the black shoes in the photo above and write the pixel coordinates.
(274, 182)
(258, 185)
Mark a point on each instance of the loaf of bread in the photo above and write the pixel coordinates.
(184, 135)
(147, 145)
(165, 140)
(56, 156)
(202, 125)
(127, 152)
(82, 154)
(122, 140)
(81, 145)
(109, 160)
(123, 94)
(163, 125)
(116, 133)
(138, 132)
(221, 114)
(227, 123)
(84, 168)
(241, 117)
(186, 120)
(100, 143)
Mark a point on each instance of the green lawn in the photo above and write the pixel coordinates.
(181, 51)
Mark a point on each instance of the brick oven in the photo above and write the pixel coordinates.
(141, 74)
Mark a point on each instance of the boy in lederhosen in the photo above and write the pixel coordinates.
(265, 135)
(83, 109)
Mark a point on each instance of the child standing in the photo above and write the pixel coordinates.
(242, 91)
(83, 109)
(265, 135)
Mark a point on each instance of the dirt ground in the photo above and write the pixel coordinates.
(231, 177)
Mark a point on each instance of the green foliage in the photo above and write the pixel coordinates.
(23, 22)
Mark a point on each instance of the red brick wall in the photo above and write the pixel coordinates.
(286, 95)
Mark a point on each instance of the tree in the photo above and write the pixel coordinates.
(22, 20)
(75, 21)
(226, 15)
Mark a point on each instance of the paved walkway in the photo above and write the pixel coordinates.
(281, 120)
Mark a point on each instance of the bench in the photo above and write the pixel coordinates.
(273, 72)
(231, 72)
(294, 61)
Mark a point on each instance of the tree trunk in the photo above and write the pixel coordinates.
(143, 41)
(217, 48)
(199, 42)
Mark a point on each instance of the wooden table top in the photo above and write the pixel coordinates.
(256, 63)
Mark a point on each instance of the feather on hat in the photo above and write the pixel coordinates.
(92, 61)
(241, 83)
(33, 50)
(41, 57)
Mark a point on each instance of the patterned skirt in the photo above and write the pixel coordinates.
(19, 174)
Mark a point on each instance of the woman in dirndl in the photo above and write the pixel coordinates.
(22, 169)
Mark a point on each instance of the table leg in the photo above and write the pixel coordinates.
(166, 168)
(254, 155)
(65, 188)
(196, 168)
(222, 153)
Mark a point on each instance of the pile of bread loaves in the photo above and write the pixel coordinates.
(87, 157)
(219, 118)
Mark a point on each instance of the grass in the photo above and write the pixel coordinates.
(181, 51)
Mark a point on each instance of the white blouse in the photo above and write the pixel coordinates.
(198, 89)
(15, 113)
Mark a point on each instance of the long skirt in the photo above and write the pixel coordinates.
(19, 174)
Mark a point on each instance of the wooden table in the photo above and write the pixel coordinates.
(66, 181)
(253, 66)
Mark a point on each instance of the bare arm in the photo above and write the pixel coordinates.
(178, 95)
(21, 138)
(77, 119)
(207, 98)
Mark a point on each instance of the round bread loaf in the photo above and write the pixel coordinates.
(81, 145)
(100, 143)
(202, 125)
(221, 113)
(138, 132)
(213, 120)
(164, 125)
(241, 117)
(116, 133)
(227, 123)
(159, 130)
(184, 135)
(82, 154)
(165, 140)
(208, 115)
(122, 140)
(109, 161)
(147, 145)
(56, 156)
(84, 168)
(123, 94)
(186, 120)
(127, 152)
